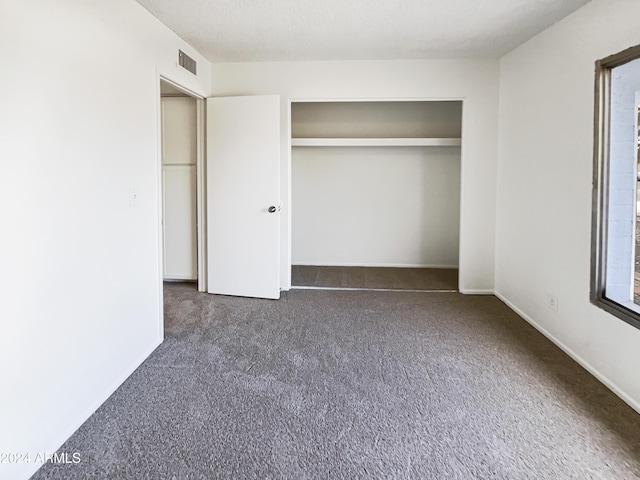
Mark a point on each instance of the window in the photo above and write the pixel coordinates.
(615, 275)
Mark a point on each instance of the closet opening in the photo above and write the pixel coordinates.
(375, 194)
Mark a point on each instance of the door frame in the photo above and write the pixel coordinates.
(201, 214)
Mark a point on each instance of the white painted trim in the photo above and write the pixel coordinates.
(585, 364)
(467, 291)
(176, 85)
(376, 99)
(201, 197)
(387, 265)
(364, 289)
(160, 207)
(286, 285)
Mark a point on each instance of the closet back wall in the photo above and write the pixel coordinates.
(389, 206)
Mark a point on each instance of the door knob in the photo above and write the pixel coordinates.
(272, 209)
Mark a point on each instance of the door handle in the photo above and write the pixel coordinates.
(272, 209)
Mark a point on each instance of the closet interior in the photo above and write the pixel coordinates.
(376, 194)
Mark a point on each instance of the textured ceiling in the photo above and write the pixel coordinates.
(280, 30)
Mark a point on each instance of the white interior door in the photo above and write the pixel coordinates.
(243, 196)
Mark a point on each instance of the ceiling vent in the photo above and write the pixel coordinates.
(186, 62)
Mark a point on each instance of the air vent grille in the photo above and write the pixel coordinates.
(186, 62)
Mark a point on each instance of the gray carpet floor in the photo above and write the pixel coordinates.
(354, 384)
(375, 277)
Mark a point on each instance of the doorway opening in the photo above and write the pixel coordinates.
(182, 185)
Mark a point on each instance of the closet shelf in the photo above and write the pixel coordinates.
(375, 142)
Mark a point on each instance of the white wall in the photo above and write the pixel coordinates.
(544, 188)
(391, 206)
(81, 283)
(473, 81)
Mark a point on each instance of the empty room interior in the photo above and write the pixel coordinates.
(320, 240)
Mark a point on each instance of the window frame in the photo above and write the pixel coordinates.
(600, 185)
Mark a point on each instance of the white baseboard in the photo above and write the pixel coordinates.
(387, 265)
(470, 291)
(606, 381)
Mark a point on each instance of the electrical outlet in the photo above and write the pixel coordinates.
(552, 302)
